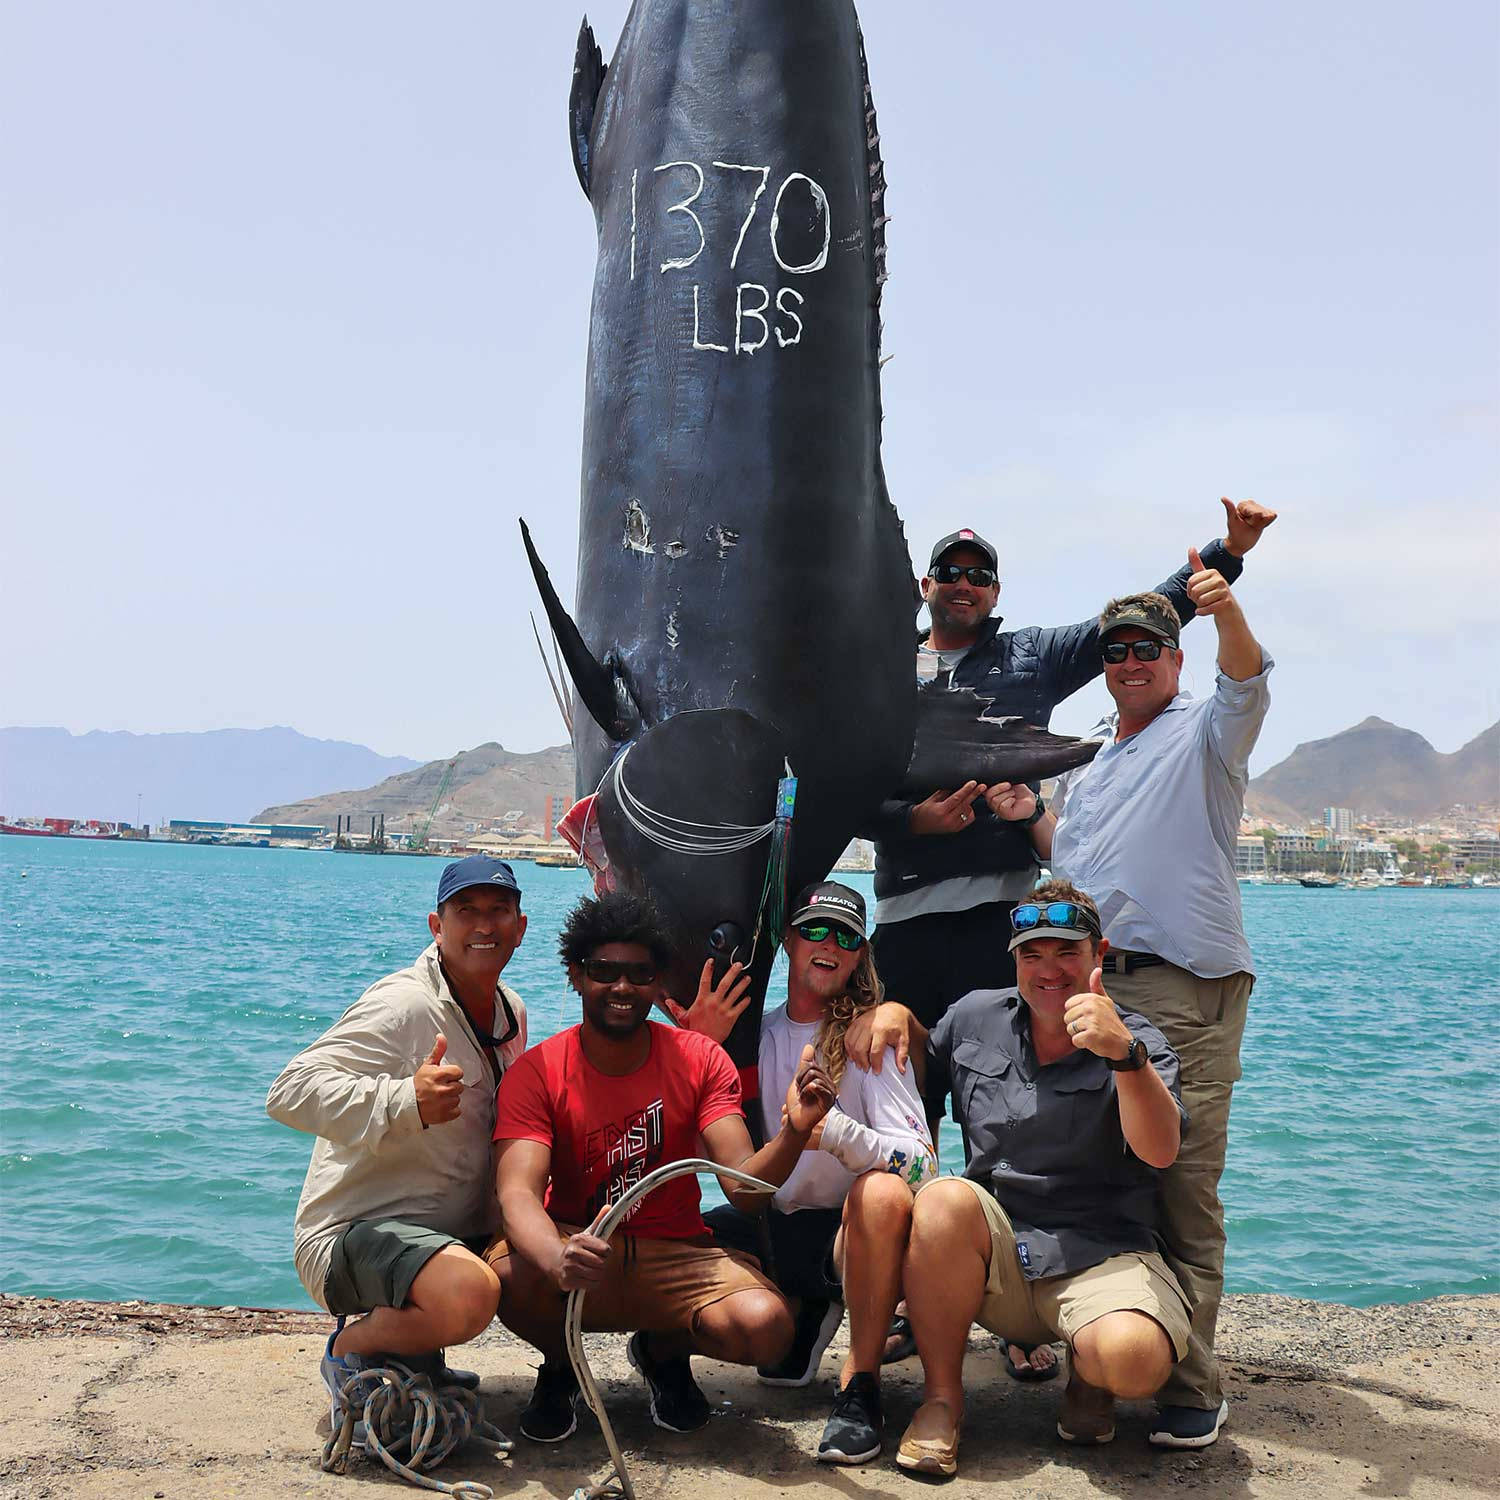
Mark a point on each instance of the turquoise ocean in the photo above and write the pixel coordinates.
(149, 993)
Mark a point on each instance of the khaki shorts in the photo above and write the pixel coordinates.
(1056, 1307)
(655, 1284)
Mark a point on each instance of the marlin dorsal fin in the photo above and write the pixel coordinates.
(604, 692)
(588, 79)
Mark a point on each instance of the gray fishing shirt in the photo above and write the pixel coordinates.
(1046, 1141)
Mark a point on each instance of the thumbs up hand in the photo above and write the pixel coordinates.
(1245, 521)
(439, 1086)
(1093, 1023)
(1206, 587)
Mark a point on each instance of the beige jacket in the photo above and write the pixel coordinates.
(353, 1088)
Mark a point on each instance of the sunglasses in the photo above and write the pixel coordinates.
(981, 578)
(1115, 652)
(603, 971)
(1068, 914)
(817, 932)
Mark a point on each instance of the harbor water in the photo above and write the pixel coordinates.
(150, 992)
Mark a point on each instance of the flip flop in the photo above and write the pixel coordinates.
(906, 1345)
(1026, 1372)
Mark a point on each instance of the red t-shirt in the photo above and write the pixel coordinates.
(606, 1132)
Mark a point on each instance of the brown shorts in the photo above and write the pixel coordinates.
(1056, 1307)
(655, 1284)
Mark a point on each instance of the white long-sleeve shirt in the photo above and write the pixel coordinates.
(878, 1121)
(354, 1089)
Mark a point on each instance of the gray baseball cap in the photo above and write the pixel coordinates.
(963, 537)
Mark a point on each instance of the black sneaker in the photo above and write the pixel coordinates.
(856, 1429)
(552, 1413)
(817, 1322)
(676, 1402)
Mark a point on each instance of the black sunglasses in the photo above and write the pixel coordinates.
(1068, 914)
(1115, 652)
(604, 971)
(981, 578)
(817, 932)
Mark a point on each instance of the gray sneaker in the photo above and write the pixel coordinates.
(1187, 1426)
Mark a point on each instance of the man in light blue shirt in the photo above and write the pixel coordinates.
(1148, 829)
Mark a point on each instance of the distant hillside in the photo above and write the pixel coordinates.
(1378, 767)
(488, 782)
(220, 775)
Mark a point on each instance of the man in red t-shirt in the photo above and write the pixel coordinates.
(583, 1117)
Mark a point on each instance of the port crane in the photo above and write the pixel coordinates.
(418, 844)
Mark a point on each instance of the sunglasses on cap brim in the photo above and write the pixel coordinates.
(1065, 914)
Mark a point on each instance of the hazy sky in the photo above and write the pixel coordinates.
(294, 298)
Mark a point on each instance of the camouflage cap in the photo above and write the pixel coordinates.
(1152, 613)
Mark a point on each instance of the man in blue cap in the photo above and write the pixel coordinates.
(400, 1092)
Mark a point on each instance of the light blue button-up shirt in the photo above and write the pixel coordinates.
(1148, 827)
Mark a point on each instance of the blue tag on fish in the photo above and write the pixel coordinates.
(786, 796)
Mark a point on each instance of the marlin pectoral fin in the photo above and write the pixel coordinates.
(588, 79)
(955, 743)
(604, 692)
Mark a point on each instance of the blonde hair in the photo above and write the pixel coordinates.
(864, 992)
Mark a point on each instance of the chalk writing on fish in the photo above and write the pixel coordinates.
(754, 325)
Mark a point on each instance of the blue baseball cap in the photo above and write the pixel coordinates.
(477, 869)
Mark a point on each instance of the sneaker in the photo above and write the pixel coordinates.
(439, 1371)
(552, 1413)
(1187, 1426)
(817, 1322)
(1087, 1414)
(855, 1429)
(676, 1402)
(336, 1369)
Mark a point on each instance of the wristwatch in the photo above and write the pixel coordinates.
(1036, 815)
(1133, 1059)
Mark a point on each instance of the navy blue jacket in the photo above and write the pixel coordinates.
(1026, 672)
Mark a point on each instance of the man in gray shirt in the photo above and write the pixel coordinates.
(1072, 1109)
(1149, 830)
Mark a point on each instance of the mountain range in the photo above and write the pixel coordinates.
(223, 775)
(1378, 767)
(485, 784)
(279, 775)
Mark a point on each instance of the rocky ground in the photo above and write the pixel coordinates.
(141, 1400)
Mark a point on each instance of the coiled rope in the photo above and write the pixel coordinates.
(616, 1485)
(406, 1418)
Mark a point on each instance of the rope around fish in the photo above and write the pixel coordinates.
(405, 1415)
(617, 1485)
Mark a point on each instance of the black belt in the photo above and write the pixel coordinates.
(1128, 963)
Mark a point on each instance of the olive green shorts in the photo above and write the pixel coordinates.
(375, 1262)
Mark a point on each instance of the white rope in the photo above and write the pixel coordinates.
(617, 1485)
(682, 835)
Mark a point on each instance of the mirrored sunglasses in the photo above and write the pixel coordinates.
(817, 932)
(1068, 914)
(980, 577)
(1115, 652)
(603, 971)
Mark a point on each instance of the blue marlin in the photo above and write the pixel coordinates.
(745, 598)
